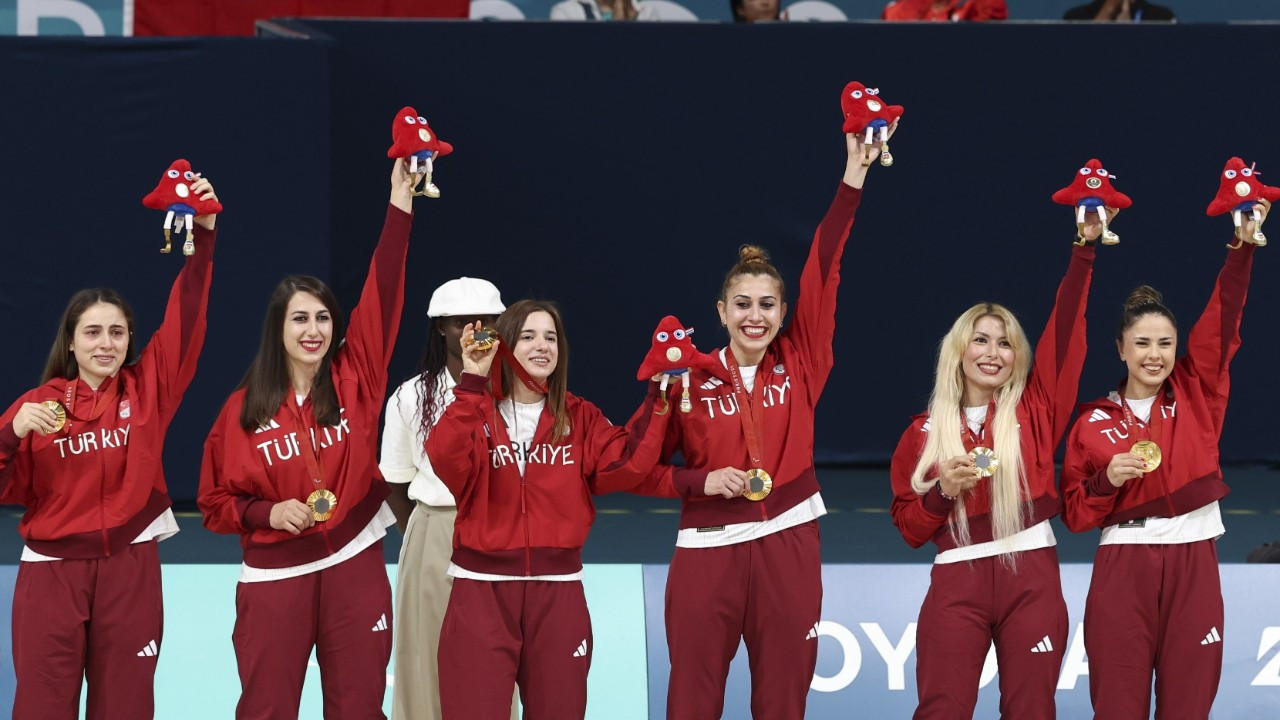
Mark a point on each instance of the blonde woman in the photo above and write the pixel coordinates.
(974, 475)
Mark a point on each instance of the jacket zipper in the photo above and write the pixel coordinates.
(528, 540)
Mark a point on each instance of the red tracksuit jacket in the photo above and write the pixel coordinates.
(93, 486)
(1042, 414)
(1192, 406)
(535, 524)
(244, 474)
(794, 371)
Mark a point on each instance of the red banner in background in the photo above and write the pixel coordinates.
(236, 17)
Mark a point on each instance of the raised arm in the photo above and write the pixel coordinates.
(813, 324)
(1215, 338)
(1059, 355)
(628, 458)
(170, 357)
(375, 321)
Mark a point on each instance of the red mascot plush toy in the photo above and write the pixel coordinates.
(1240, 191)
(672, 354)
(174, 195)
(413, 139)
(1092, 191)
(866, 114)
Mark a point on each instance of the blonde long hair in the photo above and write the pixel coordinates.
(1010, 496)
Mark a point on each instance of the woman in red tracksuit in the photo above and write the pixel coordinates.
(747, 564)
(291, 466)
(995, 578)
(523, 470)
(82, 452)
(1155, 602)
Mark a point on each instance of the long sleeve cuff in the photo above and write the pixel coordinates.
(689, 482)
(9, 440)
(255, 514)
(1097, 485)
(469, 383)
(935, 504)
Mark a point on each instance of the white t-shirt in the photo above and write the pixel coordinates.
(404, 455)
(1203, 523)
(162, 528)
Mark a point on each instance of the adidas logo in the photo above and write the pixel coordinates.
(1212, 637)
(582, 650)
(1099, 415)
(381, 624)
(149, 650)
(813, 632)
(925, 426)
(273, 425)
(1045, 645)
(712, 384)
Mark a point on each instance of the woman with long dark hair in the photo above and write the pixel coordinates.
(1142, 465)
(290, 466)
(83, 453)
(975, 476)
(424, 507)
(523, 460)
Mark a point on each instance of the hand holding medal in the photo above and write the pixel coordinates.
(44, 417)
(479, 347)
(292, 516)
(958, 474)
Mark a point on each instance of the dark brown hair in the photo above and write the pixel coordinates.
(509, 324)
(62, 362)
(1144, 300)
(752, 260)
(267, 380)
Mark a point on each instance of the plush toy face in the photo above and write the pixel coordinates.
(862, 106)
(175, 189)
(672, 349)
(410, 134)
(1239, 188)
(1092, 186)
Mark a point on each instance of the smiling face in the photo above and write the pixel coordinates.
(1148, 348)
(537, 346)
(987, 362)
(308, 331)
(100, 342)
(752, 312)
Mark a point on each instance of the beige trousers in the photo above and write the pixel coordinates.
(422, 595)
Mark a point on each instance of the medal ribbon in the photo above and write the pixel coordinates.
(750, 409)
(495, 373)
(976, 439)
(306, 443)
(1154, 426)
(100, 403)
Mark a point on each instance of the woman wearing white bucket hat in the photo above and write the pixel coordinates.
(424, 507)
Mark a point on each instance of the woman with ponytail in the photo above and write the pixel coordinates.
(1142, 465)
(975, 476)
(747, 565)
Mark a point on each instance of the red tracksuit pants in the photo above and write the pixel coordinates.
(496, 634)
(1154, 609)
(96, 620)
(767, 592)
(344, 612)
(972, 604)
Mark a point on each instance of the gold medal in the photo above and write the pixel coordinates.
(483, 339)
(985, 461)
(60, 413)
(759, 485)
(323, 504)
(1149, 452)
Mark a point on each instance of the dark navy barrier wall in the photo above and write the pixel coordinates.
(617, 168)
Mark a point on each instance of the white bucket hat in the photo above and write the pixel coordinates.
(465, 296)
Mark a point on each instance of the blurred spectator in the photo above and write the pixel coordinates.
(946, 10)
(603, 10)
(1120, 11)
(1268, 553)
(750, 11)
